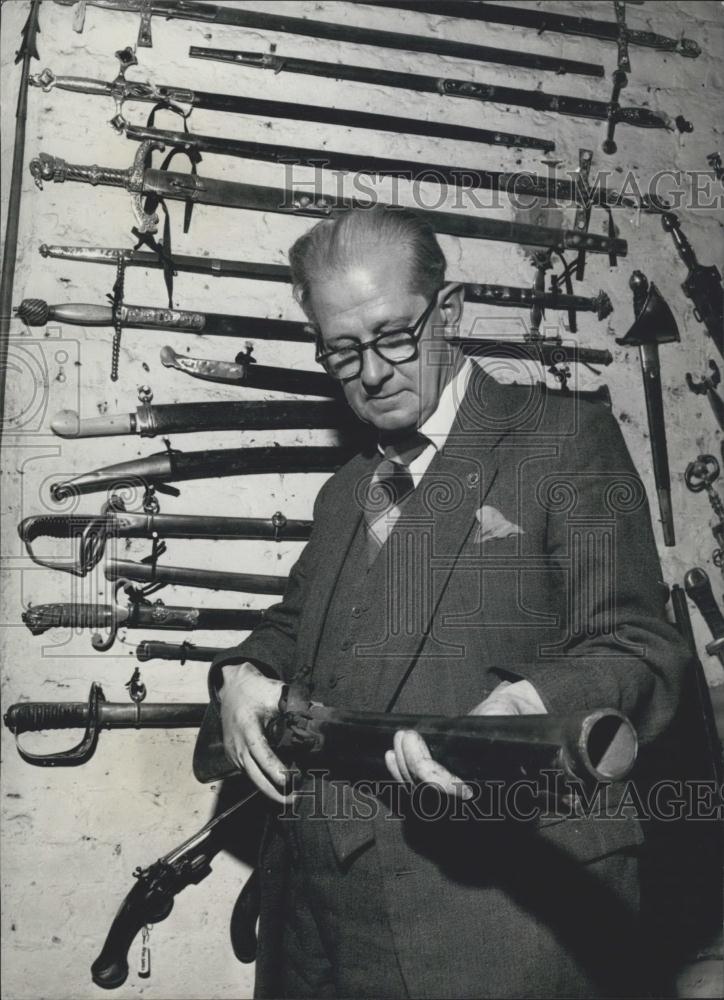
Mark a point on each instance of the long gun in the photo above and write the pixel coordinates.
(498, 295)
(122, 90)
(520, 184)
(114, 521)
(142, 181)
(544, 20)
(177, 466)
(599, 745)
(152, 897)
(210, 579)
(242, 17)
(186, 418)
(703, 285)
(486, 93)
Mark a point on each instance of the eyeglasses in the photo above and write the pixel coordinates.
(397, 346)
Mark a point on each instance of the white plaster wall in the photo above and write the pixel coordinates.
(72, 837)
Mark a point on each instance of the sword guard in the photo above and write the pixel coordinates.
(702, 473)
(83, 751)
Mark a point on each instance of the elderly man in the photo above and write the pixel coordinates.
(493, 554)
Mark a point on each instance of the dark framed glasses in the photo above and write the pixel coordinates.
(397, 346)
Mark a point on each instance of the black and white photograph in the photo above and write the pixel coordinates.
(362, 499)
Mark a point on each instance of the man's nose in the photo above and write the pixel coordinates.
(375, 370)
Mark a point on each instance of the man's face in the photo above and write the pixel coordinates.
(358, 303)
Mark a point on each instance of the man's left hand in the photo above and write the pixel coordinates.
(410, 759)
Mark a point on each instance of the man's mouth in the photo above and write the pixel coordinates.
(389, 395)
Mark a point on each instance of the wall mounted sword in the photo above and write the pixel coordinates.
(546, 20)
(520, 184)
(185, 99)
(243, 17)
(511, 296)
(142, 181)
(578, 107)
(180, 652)
(156, 574)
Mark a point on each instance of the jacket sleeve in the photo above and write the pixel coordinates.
(619, 650)
(270, 647)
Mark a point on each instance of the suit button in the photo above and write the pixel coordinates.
(357, 611)
(346, 644)
(332, 682)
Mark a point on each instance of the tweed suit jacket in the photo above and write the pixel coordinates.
(539, 563)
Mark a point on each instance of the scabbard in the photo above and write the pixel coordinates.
(543, 352)
(42, 617)
(34, 716)
(698, 587)
(248, 375)
(185, 418)
(181, 652)
(177, 466)
(138, 572)
(37, 312)
(133, 525)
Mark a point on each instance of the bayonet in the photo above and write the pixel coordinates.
(186, 418)
(511, 296)
(543, 20)
(243, 17)
(654, 325)
(93, 716)
(254, 197)
(486, 93)
(698, 587)
(94, 530)
(173, 466)
(184, 99)
(703, 285)
(155, 574)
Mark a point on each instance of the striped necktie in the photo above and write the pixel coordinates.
(388, 488)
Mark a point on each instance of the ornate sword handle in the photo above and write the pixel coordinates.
(701, 474)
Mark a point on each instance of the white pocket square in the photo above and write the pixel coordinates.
(493, 524)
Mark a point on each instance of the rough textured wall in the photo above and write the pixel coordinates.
(72, 837)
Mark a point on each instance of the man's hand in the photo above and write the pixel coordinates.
(248, 700)
(410, 760)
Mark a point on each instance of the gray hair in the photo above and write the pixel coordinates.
(335, 243)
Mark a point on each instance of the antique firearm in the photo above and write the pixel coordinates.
(184, 576)
(28, 50)
(93, 716)
(599, 745)
(698, 587)
(701, 475)
(243, 17)
(499, 295)
(254, 197)
(150, 649)
(520, 184)
(703, 284)
(579, 107)
(546, 20)
(152, 896)
(114, 521)
(122, 90)
(183, 418)
(176, 466)
(654, 325)
(37, 312)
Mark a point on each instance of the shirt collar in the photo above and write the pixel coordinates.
(438, 425)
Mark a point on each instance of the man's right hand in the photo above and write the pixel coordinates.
(248, 700)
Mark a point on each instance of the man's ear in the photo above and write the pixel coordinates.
(450, 302)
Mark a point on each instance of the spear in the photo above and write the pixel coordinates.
(28, 50)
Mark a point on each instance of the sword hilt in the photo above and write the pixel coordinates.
(33, 716)
(698, 587)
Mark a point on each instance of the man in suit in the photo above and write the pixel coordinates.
(492, 554)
